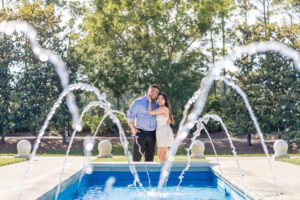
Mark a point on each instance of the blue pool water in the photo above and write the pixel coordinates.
(196, 185)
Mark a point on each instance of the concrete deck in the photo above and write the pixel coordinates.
(44, 176)
(258, 180)
(257, 177)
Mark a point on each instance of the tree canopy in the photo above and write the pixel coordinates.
(122, 46)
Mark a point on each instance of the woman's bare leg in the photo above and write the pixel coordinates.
(162, 153)
(159, 153)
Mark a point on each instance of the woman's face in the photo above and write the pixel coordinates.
(160, 100)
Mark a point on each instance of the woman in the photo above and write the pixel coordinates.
(164, 133)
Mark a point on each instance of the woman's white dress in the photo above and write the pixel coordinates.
(164, 133)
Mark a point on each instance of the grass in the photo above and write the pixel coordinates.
(8, 161)
(8, 154)
(295, 161)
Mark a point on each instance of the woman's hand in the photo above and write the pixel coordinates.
(149, 105)
(149, 98)
(169, 121)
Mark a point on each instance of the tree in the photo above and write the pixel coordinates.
(8, 56)
(5, 84)
(290, 7)
(129, 44)
(245, 6)
(224, 12)
(34, 85)
(269, 80)
(271, 83)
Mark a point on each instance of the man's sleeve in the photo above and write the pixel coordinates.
(131, 114)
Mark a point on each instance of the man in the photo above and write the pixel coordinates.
(143, 125)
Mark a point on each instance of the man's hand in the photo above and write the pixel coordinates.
(135, 131)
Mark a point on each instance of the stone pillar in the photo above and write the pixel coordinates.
(104, 148)
(280, 149)
(198, 149)
(24, 148)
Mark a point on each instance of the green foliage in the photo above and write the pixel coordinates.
(125, 45)
(292, 135)
(93, 118)
(271, 83)
(29, 87)
(130, 44)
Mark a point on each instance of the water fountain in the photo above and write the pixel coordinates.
(195, 135)
(199, 98)
(189, 120)
(200, 126)
(89, 146)
(48, 56)
(216, 118)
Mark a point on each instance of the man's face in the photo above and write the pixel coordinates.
(153, 93)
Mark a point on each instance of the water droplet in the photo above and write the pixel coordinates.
(43, 57)
(77, 127)
(89, 169)
(190, 125)
(192, 116)
(183, 135)
(89, 146)
(37, 50)
(9, 30)
(170, 158)
(165, 173)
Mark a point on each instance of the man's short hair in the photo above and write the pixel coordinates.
(155, 86)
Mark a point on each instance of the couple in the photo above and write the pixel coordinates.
(149, 119)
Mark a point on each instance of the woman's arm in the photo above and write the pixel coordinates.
(156, 111)
(159, 111)
(150, 112)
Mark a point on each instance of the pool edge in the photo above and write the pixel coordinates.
(151, 166)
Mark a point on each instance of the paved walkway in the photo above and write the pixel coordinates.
(258, 178)
(44, 176)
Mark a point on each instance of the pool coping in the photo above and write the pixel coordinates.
(45, 173)
(147, 166)
(66, 183)
(236, 186)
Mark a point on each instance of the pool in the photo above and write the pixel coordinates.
(200, 182)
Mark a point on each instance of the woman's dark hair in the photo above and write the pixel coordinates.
(167, 104)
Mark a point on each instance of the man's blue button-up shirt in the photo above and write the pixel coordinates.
(138, 113)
